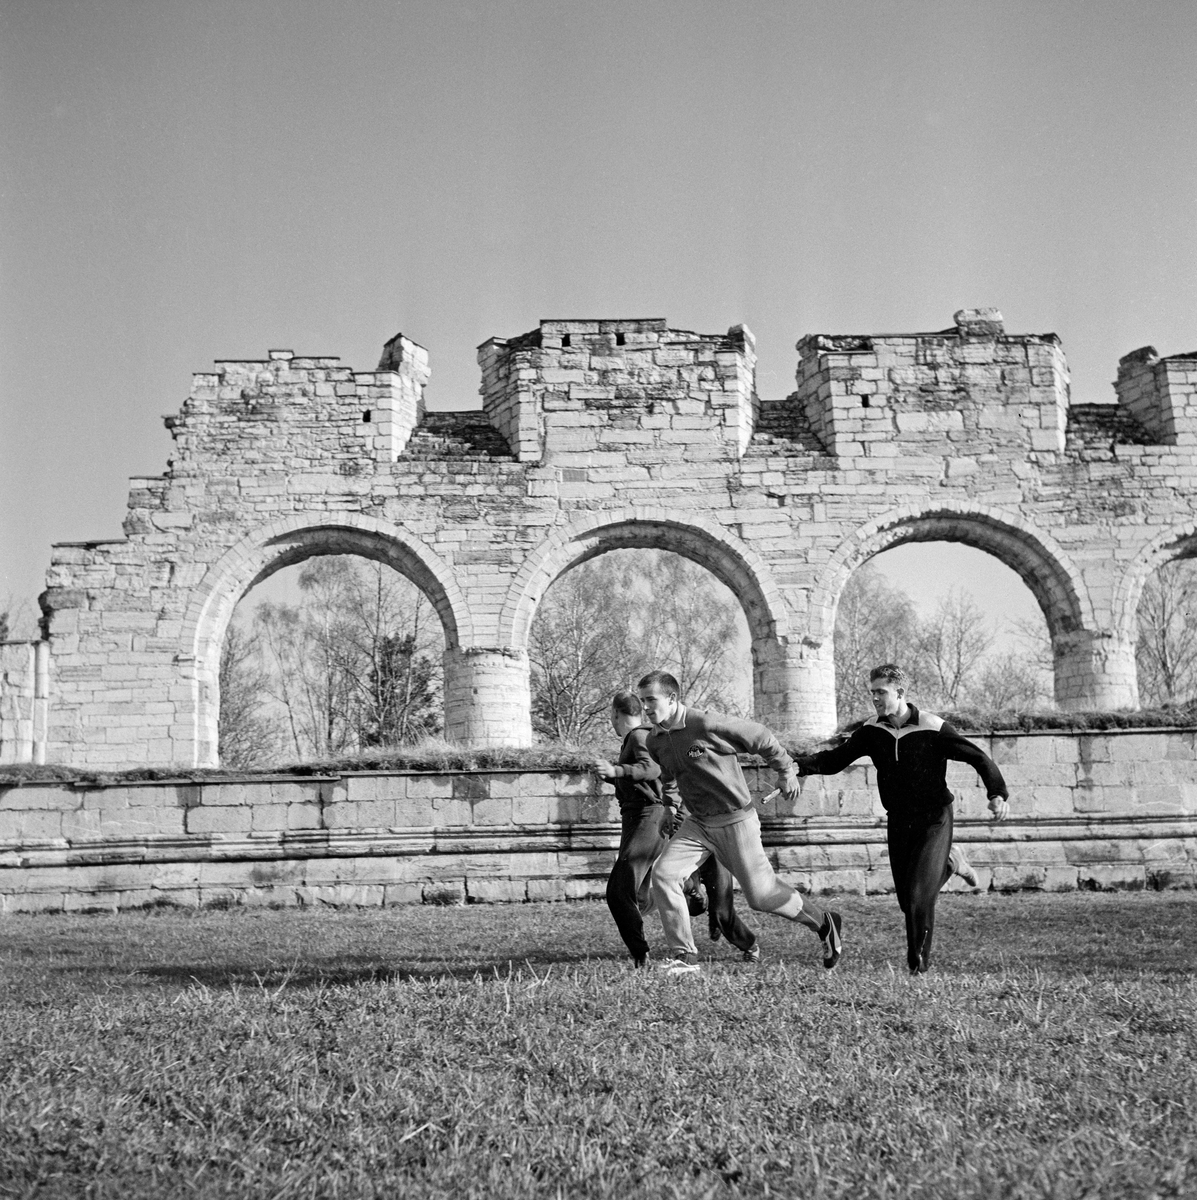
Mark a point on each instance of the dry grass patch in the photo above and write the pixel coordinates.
(509, 1052)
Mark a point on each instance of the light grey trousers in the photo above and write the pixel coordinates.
(738, 847)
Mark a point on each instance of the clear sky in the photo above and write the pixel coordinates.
(186, 180)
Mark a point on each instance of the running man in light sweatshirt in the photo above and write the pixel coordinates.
(697, 751)
(647, 816)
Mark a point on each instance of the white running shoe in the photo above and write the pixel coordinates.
(679, 964)
(961, 866)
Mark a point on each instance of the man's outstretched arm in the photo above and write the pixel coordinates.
(833, 760)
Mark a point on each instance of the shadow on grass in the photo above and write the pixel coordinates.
(354, 970)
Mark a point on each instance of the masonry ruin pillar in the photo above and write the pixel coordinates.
(488, 697)
(1094, 672)
(794, 688)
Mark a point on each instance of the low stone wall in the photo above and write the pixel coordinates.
(1114, 809)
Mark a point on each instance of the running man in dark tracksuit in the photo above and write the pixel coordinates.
(910, 750)
(647, 816)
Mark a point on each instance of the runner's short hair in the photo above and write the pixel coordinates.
(662, 680)
(891, 673)
(627, 703)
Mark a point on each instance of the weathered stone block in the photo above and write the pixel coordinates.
(1018, 877)
(546, 889)
(496, 891)
(445, 892)
(1111, 876)
(585, 889)
(530, 810)
(303, 816)
(224, 819)
(492, 811)
(414, 813)
(268, 817)
(40, 798)
(16, 826)
(449, 814)
(395, 894)
(385, 788)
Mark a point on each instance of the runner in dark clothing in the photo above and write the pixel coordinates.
(648, 816)
(910, 751)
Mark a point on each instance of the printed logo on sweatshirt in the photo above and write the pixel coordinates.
(695, 752)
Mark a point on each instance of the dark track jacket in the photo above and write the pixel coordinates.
(700, 756)
(911, 762)
(637, 777)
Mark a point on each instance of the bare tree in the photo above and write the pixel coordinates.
(18, 620)
(688, 624)
(874, 623)
(1014, 679)
(1166, 651)
(393, 652)
(951, 643)
(357, 662)
(579, 649)
(1021, 677)
(605, 623)
(248, 736)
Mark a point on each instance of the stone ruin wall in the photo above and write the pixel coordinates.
(600, 435)
(1090, 810)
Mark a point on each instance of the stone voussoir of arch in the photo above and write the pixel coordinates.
(1020, 545)
(1177, 541)
(750, 576)
(256, 551)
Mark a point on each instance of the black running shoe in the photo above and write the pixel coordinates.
(920, 964)
(829, 935)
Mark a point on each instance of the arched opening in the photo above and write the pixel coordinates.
(260, 555)
(607, 621)
(963, 624)
(776, 696)
(1029, 556)
(1165, 627)
(332, 656)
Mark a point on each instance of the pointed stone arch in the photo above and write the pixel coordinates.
(281, 544)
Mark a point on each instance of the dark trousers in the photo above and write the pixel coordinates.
(721, 912)
(918, 857)
(645, 834)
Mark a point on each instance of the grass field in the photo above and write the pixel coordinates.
(509, 1052)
